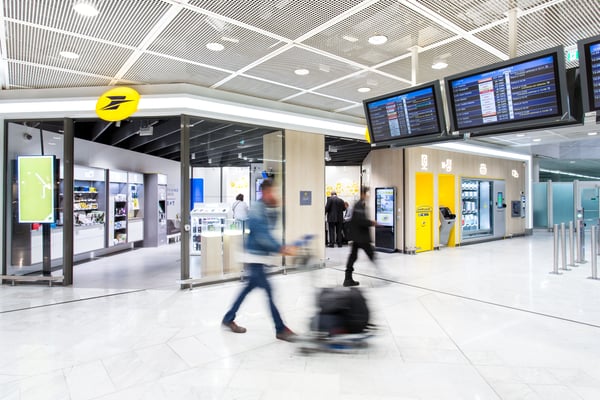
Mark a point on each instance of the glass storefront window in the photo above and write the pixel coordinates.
(226, 162)
(34, 244)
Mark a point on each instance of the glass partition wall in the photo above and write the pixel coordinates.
(227, 163)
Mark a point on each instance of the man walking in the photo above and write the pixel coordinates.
(261, 243)
(360, 235)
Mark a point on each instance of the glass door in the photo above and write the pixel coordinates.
(476, 218)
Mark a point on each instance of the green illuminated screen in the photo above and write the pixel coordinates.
(35, 176)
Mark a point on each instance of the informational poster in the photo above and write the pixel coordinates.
(36, 189)
(384, 206)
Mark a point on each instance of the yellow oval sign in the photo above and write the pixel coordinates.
(117, 104)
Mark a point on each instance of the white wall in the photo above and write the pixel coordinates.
(212, 183)
(344, 180)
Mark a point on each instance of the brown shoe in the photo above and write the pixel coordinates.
(234, 327)
(287, 335)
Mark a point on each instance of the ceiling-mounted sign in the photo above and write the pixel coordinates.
(117, 104)
(36, 188)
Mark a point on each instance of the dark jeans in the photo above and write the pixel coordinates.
(335, 233)
(256, 279)
(354, 254)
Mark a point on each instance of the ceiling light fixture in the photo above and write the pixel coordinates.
(364, 89)
(378, 39)
(302, 72)
(350, 38)
(592, 133)
(69, 54)
(439, 65)
(537, 140)
(85, 8)
(215, 46)
(520, 134)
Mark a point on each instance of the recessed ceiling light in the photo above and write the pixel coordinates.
(520, 134)
(571, 162)
(537, 140)
(378, 39)
(85, 8)
(439, 65)
(302, 71)
(350, 38)
(69, 54)
(228, 39)
(592, 133)
(215, 46)
(364, 89)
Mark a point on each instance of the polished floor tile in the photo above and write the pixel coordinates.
(484, 321)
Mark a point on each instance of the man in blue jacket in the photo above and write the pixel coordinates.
(260, 244)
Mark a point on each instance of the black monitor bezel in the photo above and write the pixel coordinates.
(585, 73)
(439, 107)
(531, 123)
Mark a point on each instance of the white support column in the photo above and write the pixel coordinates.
(513, 26)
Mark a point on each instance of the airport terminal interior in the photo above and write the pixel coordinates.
(130, 129)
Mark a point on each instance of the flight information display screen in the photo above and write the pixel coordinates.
(404, 114)
(594, 78)
(518, 92)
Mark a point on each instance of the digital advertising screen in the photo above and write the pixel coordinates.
(589, 64)
(523, 90)
(384, 206)
(408, 113)
(36, 189)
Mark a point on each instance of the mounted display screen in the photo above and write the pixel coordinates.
(523, 89)
(589, 65)
(404, 114)
(36, 189)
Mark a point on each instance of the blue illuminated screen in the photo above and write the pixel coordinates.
(409, 114)
(594, 63)
(518, 92)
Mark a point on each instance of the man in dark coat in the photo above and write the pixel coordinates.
(334, 208)
(360, 235)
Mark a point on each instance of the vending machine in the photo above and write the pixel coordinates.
(483, 210)
(385, 216)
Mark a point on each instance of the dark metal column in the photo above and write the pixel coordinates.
(68, 156)
(185, 197)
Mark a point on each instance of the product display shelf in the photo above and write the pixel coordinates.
(87, 204)
(120, 221)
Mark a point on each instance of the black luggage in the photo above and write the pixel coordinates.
(341, 311)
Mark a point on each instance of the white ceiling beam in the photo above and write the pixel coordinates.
(443, 22)
(156, 30)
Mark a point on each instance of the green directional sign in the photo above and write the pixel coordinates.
(36, 189)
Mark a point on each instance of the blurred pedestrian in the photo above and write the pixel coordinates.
(360, 235)
(259, 244)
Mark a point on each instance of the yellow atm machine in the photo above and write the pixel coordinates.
(424, 221)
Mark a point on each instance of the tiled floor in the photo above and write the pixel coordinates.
(479, 322)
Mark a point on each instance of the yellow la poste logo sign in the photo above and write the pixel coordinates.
(117, 104)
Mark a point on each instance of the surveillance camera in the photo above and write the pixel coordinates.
(27, 136)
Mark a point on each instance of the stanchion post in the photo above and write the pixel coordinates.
(594, 256)
(563, 247)
(571, 246)
(555, 262)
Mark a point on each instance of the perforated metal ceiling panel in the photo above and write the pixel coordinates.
(257, 88)
(33, 76)
(377, 83)
(324, 103)
(120, 21)
(321, 69)
(188, 34)
(403, 27)
(152, 68)
(287, 18)
(43, 47)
